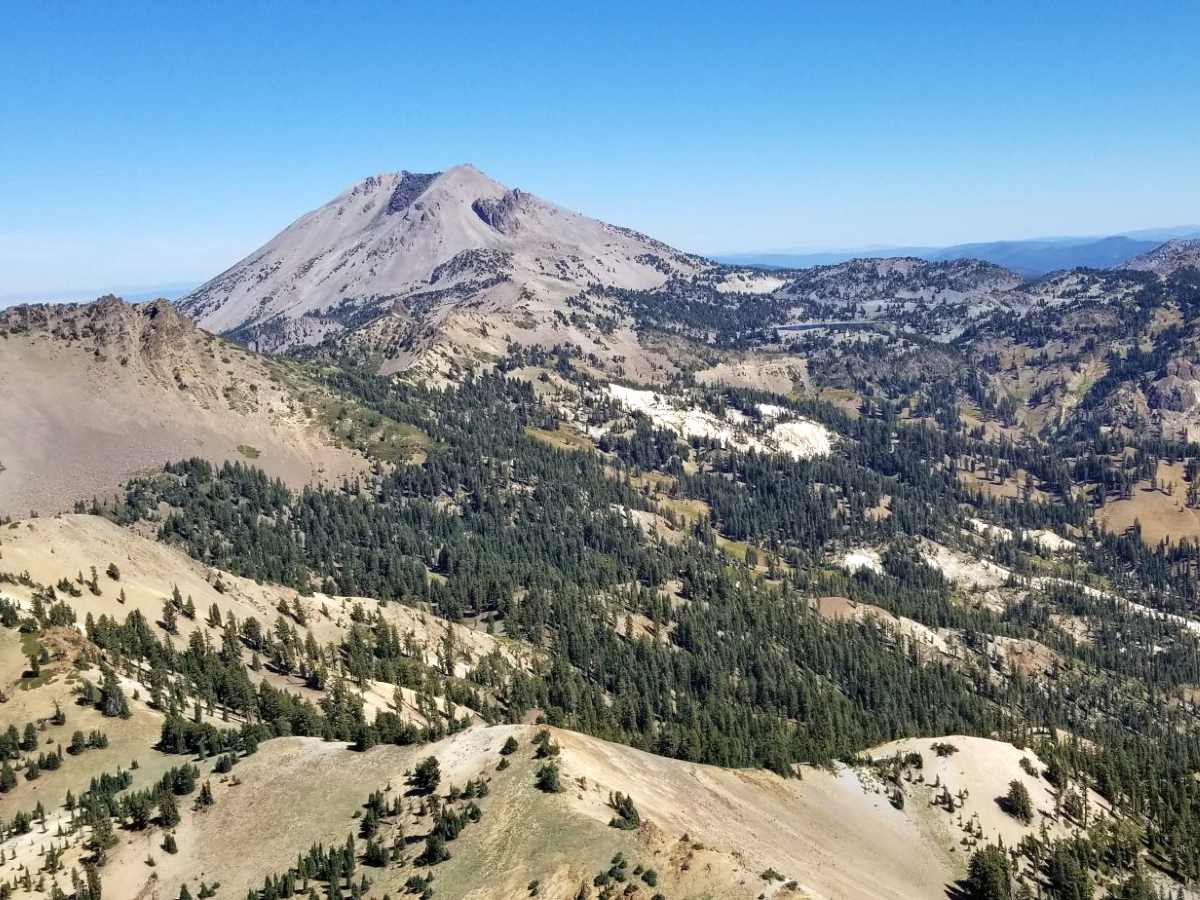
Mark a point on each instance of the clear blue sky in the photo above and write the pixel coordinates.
(150, 144)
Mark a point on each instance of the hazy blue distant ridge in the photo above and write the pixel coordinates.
(1028, 257)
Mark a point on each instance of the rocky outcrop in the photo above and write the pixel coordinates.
(1167, 258)
(412, 185)
(108, 326)
(503, 214)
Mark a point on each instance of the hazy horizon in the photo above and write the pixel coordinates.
(173, 289)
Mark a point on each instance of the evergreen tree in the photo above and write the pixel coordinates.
(1017, 802)
(205, 798)
(548, 778)
(989, 876)
(169, 617)
(112, 698)
(168, 810)
(427, 775)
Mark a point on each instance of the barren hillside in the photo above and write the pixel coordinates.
(92, 393)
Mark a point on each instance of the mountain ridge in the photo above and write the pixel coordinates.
(1167, 258)
(1031, 258)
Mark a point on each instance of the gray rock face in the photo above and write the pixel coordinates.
(1167, 258)
(502, 214)
(412, 185)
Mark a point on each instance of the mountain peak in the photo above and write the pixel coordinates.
(376, 249)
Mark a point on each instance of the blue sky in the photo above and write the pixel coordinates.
(149, 144)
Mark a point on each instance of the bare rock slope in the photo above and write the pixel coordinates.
(1167, 258)
(416, 250)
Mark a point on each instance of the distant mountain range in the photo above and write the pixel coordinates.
(1030, 258)
(131, 294)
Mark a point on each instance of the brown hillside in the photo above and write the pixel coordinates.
(92, 393)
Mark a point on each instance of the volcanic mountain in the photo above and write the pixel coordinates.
(406, 253)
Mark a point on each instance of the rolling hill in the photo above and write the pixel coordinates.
(1031, 258)
(734, 833)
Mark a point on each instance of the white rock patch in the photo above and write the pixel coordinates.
(797, 438)
(862, 558)
(1048, 540)
(1044, 538)
(749, 283)
(988, 530)
(961, 569)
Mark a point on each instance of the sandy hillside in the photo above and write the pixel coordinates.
(982, 769)
(1162, 513)
(759, 371)
(843, 609)
(705, 831)
(91, 394)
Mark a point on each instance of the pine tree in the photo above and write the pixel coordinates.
(1069, 880)
(112, 697)
(169, 617)
(168, 810)
(627, 817)
(427, 775)
(548, 779)
(205, 798)
(435, 850)
(989, 876)
(1017, 802)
